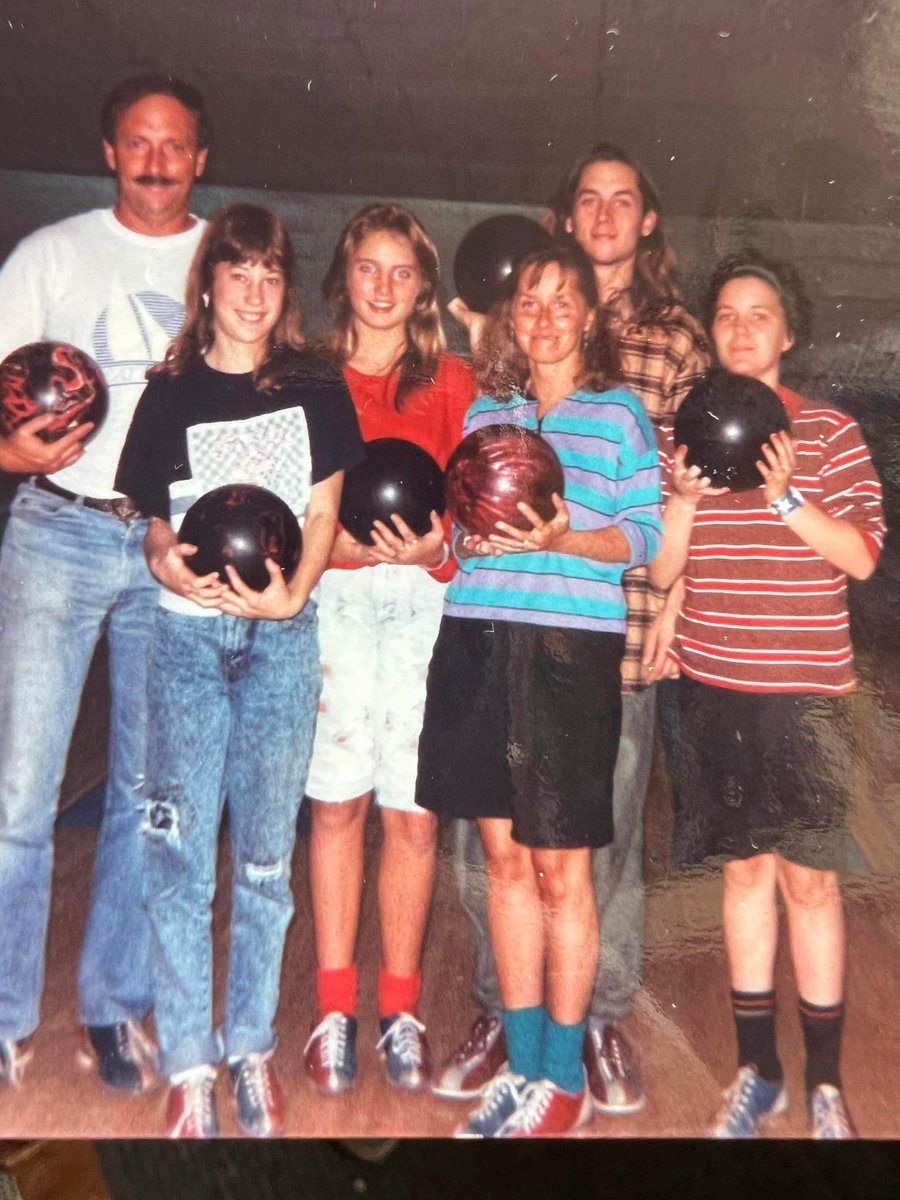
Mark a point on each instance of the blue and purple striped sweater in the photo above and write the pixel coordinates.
(608, 453)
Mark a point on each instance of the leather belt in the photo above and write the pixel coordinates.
(122, 507)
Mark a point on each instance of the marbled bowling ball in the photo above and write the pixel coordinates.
(488, 254)
(242, 525)
(724, 420)
(396, 476)
(51, 377)
(494, 468)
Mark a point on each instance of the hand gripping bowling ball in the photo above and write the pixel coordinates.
(494, 468)
(488, 253)
(724, 420)
(396, 476)
(51, 377)
(242, 525)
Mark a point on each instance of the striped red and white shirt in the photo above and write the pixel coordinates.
(763, 612)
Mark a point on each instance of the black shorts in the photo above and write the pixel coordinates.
(522, 722)
(764, 772)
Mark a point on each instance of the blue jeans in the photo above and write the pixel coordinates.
(232, 713)
(66, 572)
(617, 871)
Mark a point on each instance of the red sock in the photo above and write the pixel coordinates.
(336, 990)
(397, 993)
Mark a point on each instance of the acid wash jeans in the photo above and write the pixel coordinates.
(232, 714)
(66, 573)
(618, 876)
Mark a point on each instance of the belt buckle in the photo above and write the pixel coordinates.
(123, 510)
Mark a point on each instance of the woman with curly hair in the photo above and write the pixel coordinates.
(523, 713)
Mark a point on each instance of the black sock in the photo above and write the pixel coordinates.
(823, 1026)
(754, 1023)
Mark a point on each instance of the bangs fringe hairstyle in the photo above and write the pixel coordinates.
(654, 287)
(782, 277)
(425, 340)
(501, 369)
(240, 233)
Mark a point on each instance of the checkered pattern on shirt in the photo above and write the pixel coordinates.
(661, 361)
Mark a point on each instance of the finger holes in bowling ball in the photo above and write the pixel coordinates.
(242, 525)
(724, 421)
(488, 254)
(495, 467)
(51, 377)
(396, 476)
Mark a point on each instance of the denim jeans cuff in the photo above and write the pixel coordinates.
(196, 1052)
(111, 1014)
(239, 1045)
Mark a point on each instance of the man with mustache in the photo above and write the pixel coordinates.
(110, 281)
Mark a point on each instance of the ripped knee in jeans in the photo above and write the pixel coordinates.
(264, 872)
(163, 818)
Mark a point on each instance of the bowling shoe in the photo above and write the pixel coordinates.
(405, 1052)
(545, 1110)
(14, 1058)
(257, 1095)
(502, 1096)
(613, 1073)
(471, 1067)
(122, 1054)
(748, 1105)
(829, 1118)
(330, 1054)
(191, 1108)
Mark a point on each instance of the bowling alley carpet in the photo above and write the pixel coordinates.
(681, 1023)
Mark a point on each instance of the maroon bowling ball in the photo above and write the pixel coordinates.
(396, 476)
(724, 421)
(494, 468)
(488, 254)
(51, 377)
(242, 525)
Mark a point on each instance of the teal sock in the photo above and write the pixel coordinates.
(561, 1063)
(524, 1029)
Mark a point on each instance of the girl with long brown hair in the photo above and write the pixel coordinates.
(234, 675)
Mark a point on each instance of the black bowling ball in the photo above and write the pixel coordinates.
(242, 525)
(51, 377)
(724, 421)
(396, 476)
(488, 254)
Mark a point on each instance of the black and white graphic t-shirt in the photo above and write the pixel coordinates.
(204, 429)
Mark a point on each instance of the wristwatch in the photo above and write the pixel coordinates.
(788, 503)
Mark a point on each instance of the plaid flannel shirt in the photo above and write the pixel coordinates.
(661, 361)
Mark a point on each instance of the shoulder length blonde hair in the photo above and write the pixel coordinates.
(425, 340)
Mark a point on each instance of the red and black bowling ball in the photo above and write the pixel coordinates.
(396, 476)
(724, 420)
(494, 468)
(51, 377)
(488, 254)
(242, 525)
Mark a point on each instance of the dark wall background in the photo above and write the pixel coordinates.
(775, 122)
